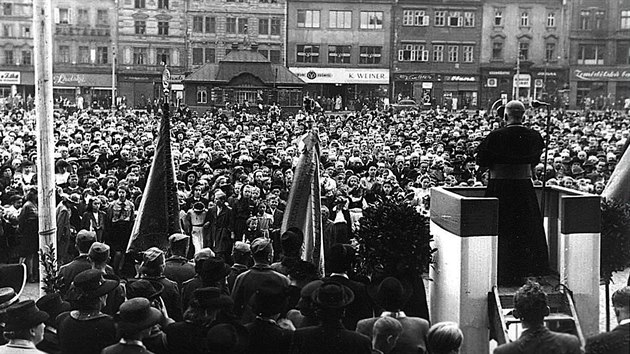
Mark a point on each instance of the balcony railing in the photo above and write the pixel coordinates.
(76, 30)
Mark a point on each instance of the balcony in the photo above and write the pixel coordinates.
(77, 30)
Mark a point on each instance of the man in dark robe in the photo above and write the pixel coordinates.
(509, 153)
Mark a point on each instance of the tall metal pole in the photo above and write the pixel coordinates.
(42, 35)
(114, 33)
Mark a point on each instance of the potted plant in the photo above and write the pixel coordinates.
(394, 240)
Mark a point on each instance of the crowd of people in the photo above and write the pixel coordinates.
(234, 171)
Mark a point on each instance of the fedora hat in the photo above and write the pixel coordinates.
(211, 297)
(23, 315)
(144, 288)
(90, 283)
(213, 270)
(137, 314)
(7, 297)
(391, 294)
(269, 299)
(53, 305)
(332, 295)
(227, 338)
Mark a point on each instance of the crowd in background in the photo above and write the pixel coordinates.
(234, 171)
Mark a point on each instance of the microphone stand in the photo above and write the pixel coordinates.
(544, 181)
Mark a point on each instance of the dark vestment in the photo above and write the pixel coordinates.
(29, 230)
(186, 338)
(247, 283)
(329, 339)
(360, 308)
(70, 270)
(616, 341)
(50, 344)
(267, 337)
(120, 348)
(179, 270)
(541, 341)
(88, 336)
(170, 295)
(218, 231)
(522, 243)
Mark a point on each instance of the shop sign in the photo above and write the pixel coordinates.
(547, 74)
(342, 76)
(9, 77)
(460, 78)
(84, 80)
(522, 80)
(413, 77)
(499, 73)
(68, 79)
(598, 75)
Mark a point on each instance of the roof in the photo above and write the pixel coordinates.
(239, 62)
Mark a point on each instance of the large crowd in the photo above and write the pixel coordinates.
(234, 171)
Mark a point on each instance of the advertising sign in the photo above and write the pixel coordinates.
(9, 77)
(341, 75)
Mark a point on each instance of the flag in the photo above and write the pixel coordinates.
(618, 186)
(304, 208)
(158, 214)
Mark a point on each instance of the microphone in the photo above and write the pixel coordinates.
(537, 104)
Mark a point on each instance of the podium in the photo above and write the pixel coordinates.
(464, 225)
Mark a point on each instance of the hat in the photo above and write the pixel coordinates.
(242, 247)
(308, 289)
(7, 297)
(86, 236)
(332, 295)
(261, 244)
(53, 305)
(213, 270)
(99, 252)
(269, 299)
(177, 237)
(391, 294)
(203, 254)
(144, 288)
(153, 257)
(23, 315)
(211, 297)
(90, 283)
(137, 314)
(227, 338)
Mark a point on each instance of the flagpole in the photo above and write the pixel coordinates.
(42, 36)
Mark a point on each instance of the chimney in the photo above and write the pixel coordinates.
(254, 46)
(235, 46)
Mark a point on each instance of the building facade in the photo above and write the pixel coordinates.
(341, 49)
(214, 26)
(437, 53)
(600, 54)
(83, 46)
(16, 50)
(151, 33)
(524, 51)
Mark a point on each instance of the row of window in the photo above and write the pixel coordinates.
(8, 31)
(208, 55)
(338, 54)
(140, 56)
(440, 53)
(64, 15)
(11, 57)
(368, 20)
(524, 19)
(266, 26)
(441, 18)
(84, 55)
(140, 27)
(142, 4)
(524, 51)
